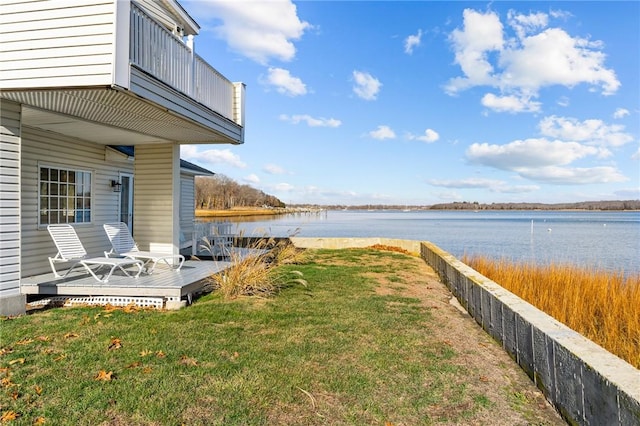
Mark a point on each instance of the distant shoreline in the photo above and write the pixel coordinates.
(240, 212)
(247, 211)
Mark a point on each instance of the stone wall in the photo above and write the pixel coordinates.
(587, 384)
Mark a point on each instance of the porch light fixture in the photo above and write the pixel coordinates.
(116, 186)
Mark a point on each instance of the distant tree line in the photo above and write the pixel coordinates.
(220, 192)
(583, 205)
(466, 205)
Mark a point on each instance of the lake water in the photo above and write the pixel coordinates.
(605, 240)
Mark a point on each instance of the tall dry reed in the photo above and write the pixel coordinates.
(602, 306)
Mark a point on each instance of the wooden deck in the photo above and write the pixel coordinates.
(164, 284)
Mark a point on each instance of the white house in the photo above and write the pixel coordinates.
(78, 78)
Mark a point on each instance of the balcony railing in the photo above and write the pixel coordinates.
(164, 55)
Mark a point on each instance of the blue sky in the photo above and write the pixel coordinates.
(419, 102)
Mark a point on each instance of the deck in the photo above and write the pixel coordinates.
(164, 288)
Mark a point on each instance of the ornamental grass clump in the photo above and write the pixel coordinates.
(256, 274)
(603, 306)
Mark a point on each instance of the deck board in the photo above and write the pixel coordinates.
(163, 282)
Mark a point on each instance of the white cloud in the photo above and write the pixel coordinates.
(259, 30)
(574, 176)
(529, 153)
(283, 187)
(382, 132)
(552, 57)
(429, 136)
(412, 42)
(591, 132)
(285, 83)
(211, 156)
(620, 113)
(465, 183)
(481, 34)
(311, 121)
(252, 179)
(273, 169)
(521, 65)
(526, 24)
(510, 103)
(366, 86)
(479, 183)
(636, 155)
(544, 161)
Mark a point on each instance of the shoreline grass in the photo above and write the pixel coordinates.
(338, 351)
(603, 306)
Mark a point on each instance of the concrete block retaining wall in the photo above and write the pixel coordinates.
(587, 384)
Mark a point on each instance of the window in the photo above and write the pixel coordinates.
(65, 196)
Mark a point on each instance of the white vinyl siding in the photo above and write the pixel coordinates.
(52, 149)
(81, 33)
(156, 189)
(10, 146)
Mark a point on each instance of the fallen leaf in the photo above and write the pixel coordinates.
(115, 343)
(103, 375)
(43, 338)
(134, 364)
(15, 395)
(4, 370)
(131, 307)
(38, 389)
(61, 357)
(9, 416)
(24, 341)
(6, 382)
(147, 370)
(145, 353)
(160, 354)
(16, 361)
(70, 335)
(39, 421)
(109, 307)
(185, 360)
(5, 351)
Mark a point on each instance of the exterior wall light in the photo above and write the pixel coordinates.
(116, 186)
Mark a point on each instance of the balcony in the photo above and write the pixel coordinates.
(167, 57)
(128, 77)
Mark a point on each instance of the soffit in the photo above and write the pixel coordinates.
(108, 117)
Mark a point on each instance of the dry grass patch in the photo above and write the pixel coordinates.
(600, 305)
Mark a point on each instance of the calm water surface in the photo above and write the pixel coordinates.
(607, 240)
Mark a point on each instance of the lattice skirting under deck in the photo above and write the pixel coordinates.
(143, 302)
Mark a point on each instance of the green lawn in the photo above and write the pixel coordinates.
(334, 352)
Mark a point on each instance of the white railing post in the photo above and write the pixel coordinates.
(192, 68)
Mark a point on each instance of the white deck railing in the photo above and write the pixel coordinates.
(164, 55)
